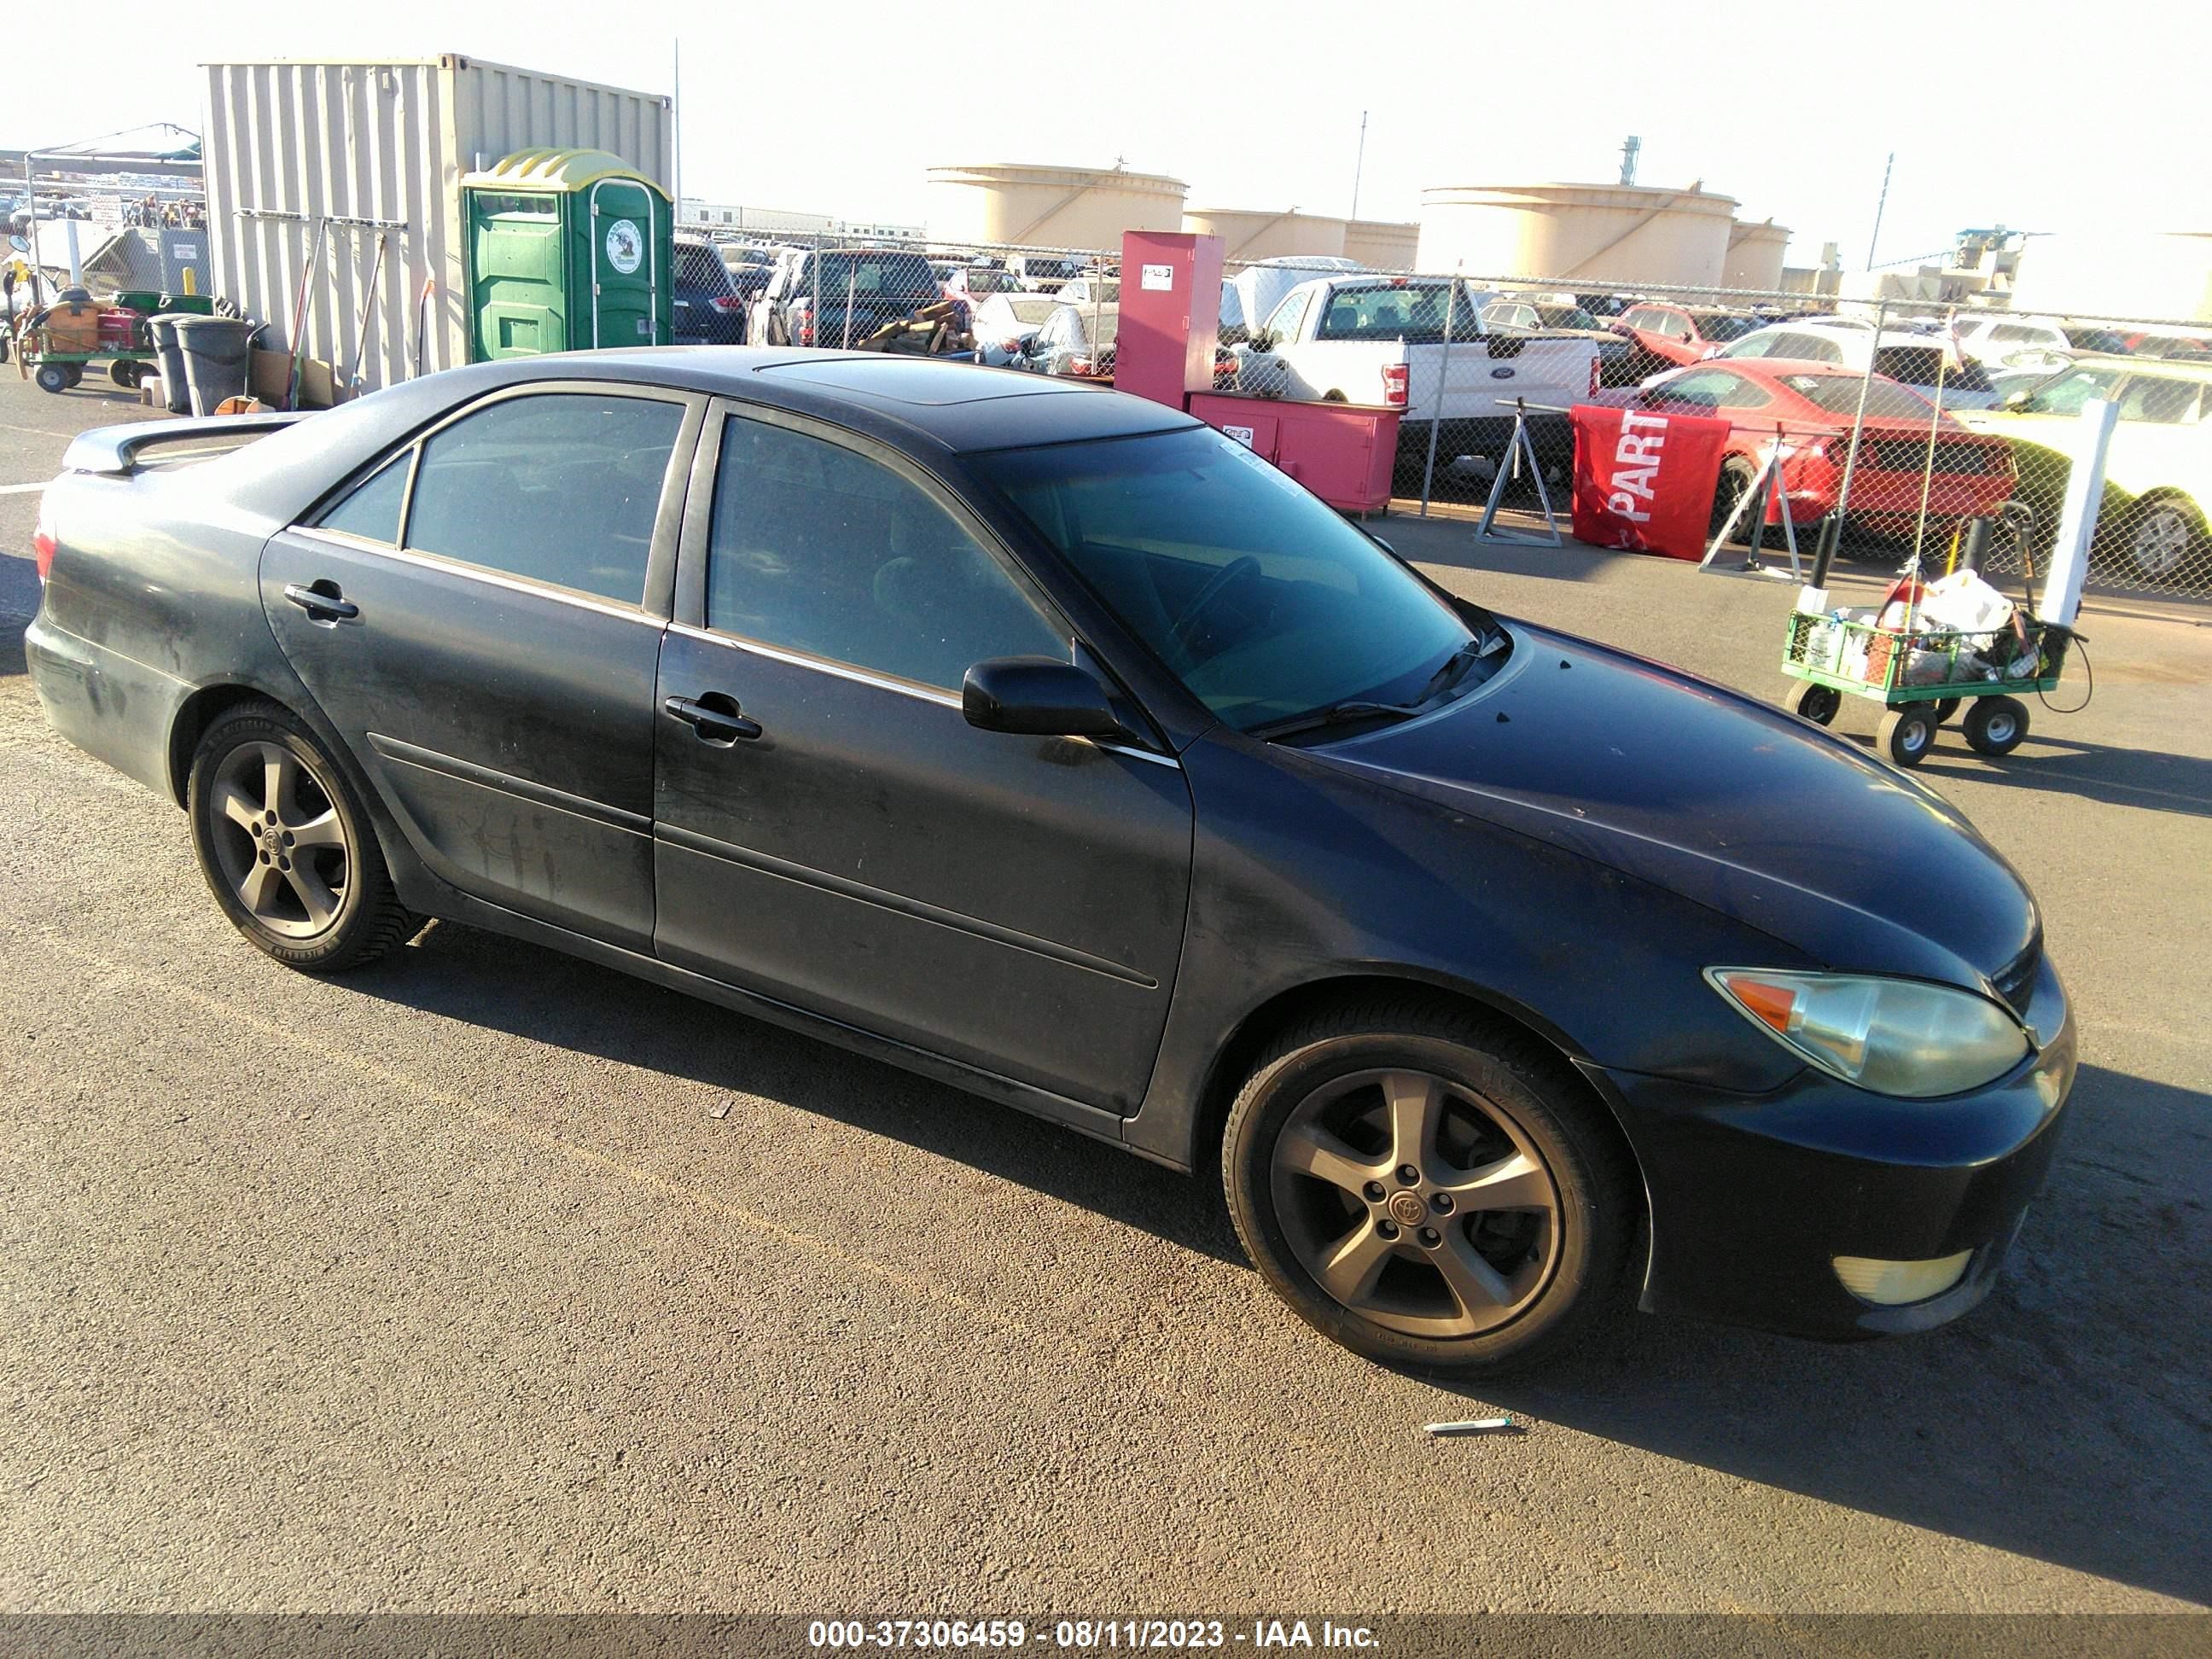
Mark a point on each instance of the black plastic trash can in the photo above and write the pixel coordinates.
(169, 363)
(217, 353)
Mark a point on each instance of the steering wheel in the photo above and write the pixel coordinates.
(1229, 575)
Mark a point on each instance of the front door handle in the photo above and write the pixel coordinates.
(715, 717)
(320, 605)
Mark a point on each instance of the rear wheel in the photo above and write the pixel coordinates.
(1995, 726)
(1907, 734)
(1736, 482)
(52, 377)
(124, 373)
(286, 849)
(1817, 703)
(1426, 1189)
(1945, 707)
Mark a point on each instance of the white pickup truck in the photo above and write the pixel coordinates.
(1376, 339)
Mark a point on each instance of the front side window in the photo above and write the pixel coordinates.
(819, 549)
(2163, 402)
(1264, 602)
(556, 487)
(1751, 345)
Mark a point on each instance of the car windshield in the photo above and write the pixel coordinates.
(2066, 394)
(1031, 308)
(1265, 603)
(991, 281)
(1839, 395)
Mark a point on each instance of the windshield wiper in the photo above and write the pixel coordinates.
(1337, 713)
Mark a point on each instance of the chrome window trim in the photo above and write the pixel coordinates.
(825, 665)
(479, 573)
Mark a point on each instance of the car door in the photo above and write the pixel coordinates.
(831, 833)
(480, 617)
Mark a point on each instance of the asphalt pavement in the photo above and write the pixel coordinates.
(486, 1280)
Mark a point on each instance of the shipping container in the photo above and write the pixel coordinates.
(360, 148)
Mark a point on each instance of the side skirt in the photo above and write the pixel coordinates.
(1038, 1103)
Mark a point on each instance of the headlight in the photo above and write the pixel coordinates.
(1894, 1037)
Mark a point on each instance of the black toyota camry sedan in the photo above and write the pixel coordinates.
(1044, 741)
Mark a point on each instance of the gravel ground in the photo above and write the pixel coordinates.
(489, 1281)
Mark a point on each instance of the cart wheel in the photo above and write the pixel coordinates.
(3, 345)
(1817, 703)
(1907, 734)
(125, 374)
(76, 372)
(1945, 707)
(1996, 725)
(52, 377)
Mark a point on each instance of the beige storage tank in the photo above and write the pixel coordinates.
(1385, 243)
(1246, 234)
(1600, 234)
(1049, 206)
(1754, 255)
(354, 149)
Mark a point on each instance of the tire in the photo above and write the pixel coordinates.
(123, 372)
(6, 346)
(1313, 1173)
(1945, 707)
(1736, 481)
(2157, 536)
(52, 377)
(1809, 701)
(1907, 734)
(1995, 726)
(1333, 396)
(258, 764)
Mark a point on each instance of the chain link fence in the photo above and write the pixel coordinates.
(1900, 421)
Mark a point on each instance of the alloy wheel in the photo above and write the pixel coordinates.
(1416, 1203)
(279, 840)
(2161, 541)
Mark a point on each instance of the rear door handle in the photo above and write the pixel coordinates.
(715, 717)
(323, 607)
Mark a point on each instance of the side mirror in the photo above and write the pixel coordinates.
(1038, 696)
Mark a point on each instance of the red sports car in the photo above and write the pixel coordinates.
(1812, 404)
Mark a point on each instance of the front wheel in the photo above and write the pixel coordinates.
(286, 849)
(2159, 535)
(1811, 701)
(1426, 1189)
(1907, 734)
(53, 377)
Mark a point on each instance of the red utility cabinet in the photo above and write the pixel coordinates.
(1171, 324)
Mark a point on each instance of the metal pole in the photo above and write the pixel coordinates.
(851, 289)
(676, 126)
(31, 196)
(1359, 164)
(1928, 471)
(1834, 533)
(1880, 202)
(1443, 371)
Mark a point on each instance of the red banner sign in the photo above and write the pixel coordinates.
(1644, 481)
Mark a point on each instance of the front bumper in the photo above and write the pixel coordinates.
(1753, 1197)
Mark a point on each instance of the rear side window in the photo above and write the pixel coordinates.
(2166, 402)
(371, 509)
(819, 549)
(560, 487)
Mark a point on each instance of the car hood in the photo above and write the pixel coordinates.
(1733, 805)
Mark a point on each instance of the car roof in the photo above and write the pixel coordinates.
(2180, 368)
(931, 408)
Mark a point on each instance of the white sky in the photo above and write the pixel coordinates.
(2034, 114)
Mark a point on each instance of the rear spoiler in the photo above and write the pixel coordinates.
(114, 450)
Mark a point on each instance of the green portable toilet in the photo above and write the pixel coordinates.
(567, 250)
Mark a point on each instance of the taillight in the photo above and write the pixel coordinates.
(726, 303)
(43, 545)
(1078, 365)
(1010, 346)
(1394, 385)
